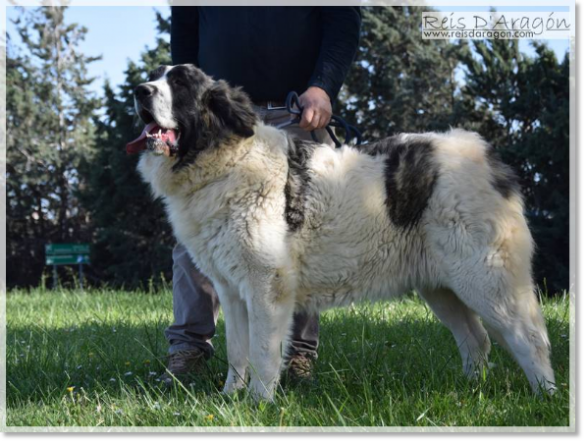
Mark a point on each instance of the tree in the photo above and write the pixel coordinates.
(521, 105)
(133, 240)
(49, 132)
(399, 82)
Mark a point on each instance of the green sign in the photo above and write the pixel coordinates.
(67, 254)
(83, 259)
(67, 249)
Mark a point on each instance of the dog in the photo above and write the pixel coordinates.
(280, 225)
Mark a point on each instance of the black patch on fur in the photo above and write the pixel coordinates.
(298, 178)
(156, 73)
(231, 110)
(504, 180)
(208, 112)
(410, 176)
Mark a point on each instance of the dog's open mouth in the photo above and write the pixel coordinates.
(162, 141)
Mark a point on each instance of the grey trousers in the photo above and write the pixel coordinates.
(195, 302)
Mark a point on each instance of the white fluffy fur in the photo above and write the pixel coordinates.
(161, 102)
(469, 256)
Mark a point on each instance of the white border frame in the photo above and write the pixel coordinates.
(132, 429)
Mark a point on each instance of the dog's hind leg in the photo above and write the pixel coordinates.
(236, 320)
(471, 337)
(508, 306)
(484, 250)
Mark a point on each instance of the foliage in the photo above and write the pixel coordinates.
(399, 82)
(49, 132)
(521, 105)
(133, 241)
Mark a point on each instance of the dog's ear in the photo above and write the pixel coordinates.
(230, 109)
(224, 112)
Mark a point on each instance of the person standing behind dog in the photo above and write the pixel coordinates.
(268, 51)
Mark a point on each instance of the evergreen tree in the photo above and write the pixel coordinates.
(49, 132)
(399, 82)
(521, 105)
(133, 240)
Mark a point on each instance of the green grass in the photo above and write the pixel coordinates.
(391, 364)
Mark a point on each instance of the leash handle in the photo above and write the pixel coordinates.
(294, 107)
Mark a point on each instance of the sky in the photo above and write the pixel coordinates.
(121, 33)
(117, 33)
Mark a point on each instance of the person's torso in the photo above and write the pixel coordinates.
(269, 51)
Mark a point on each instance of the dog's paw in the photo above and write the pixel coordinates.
(232, 387)
(259, 392)
(234, 383)
(544, 389)
(477, 371)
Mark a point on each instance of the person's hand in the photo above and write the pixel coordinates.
(317, 109)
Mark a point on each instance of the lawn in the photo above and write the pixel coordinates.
(92, 359)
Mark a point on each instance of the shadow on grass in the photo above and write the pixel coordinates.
(361, 357)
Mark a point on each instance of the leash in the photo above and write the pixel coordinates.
(294, 107)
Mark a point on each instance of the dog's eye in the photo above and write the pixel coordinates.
(177, 81)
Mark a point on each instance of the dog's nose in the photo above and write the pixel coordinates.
(144, 91)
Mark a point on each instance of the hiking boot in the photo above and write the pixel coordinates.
(300, 370)
(182, 364)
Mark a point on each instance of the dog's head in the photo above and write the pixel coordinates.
(189, 112)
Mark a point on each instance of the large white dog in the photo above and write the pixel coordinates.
(278, 225)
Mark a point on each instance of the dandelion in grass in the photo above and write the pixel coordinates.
(209, 417)
(70, 389)
(147, 362)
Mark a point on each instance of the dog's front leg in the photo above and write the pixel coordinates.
(270, 316)
(236, 319)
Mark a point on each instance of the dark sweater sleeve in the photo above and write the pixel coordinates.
(184, 34)
(340, 34)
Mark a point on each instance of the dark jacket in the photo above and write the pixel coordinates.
(269, 51)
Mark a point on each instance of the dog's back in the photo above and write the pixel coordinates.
(363, 219)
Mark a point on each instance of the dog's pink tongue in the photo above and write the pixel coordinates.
(139, 144)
